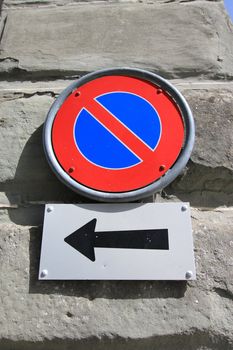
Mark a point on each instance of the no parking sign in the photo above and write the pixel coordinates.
(119, 134)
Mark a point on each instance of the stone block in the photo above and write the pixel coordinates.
(118, 314)
(39, 3)
(208, 179)
(27, 179)
(175, 40)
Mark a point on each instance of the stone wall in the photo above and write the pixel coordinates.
(45, 45)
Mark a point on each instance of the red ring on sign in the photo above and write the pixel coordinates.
(154, 163)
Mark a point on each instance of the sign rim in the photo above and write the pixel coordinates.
(162, 182)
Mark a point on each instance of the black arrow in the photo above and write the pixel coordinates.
(85, 239)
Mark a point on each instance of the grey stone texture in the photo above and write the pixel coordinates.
(44, 46)
(119, 314)
(53, 3)
(26, 177)
(175, 40)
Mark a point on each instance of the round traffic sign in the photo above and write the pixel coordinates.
(119, 134)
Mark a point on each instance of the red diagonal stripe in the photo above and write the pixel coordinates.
(119, 130)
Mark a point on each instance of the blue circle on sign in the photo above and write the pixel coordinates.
(100, 146)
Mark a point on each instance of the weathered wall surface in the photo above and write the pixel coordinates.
(44, 46)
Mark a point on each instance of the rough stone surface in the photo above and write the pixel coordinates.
(150, 314)
(176, 40)
(44, 45)
(36, 3)
(208, 179)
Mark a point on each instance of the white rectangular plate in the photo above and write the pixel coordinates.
(117, 242)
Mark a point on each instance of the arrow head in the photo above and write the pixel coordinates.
(83, 239)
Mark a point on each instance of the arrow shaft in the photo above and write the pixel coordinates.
(138, 239)
(85, 239)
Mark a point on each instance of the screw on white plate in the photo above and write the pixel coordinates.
(184, 208)
(188, 275)
(49, 209)
(44, 273)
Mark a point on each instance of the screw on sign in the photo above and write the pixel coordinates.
(119, 134)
